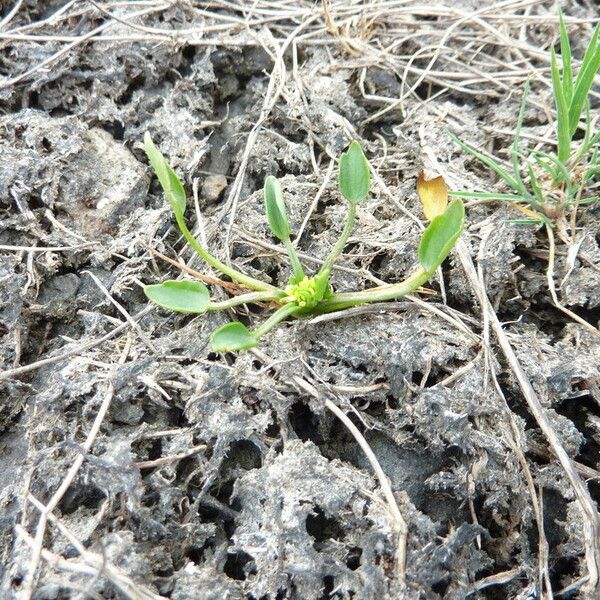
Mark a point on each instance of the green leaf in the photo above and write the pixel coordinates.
(275, 209)
(441, 235)
(166, 176)
(232, 337)
(354, 174)
(184, 295)
(562, 113)
(585, 79)
(565, 55)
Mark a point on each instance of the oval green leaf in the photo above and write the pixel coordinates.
(185, 295)
(232, 337)
(166, 176)
(275, 209)
(354, 174)
(441, 235)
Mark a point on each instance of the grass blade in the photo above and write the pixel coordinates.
(562, 113)
(588, 201)
(585, 80)
(488, 162)
(567, 61)
(561, 172)
(485, 195)
(591, 172)
(515, 153)
(535, 186)
(547, 167)
(589, 141)
(539, 223)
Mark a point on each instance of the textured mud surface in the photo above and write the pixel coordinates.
(216, 477)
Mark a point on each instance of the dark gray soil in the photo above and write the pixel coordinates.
(266, 495)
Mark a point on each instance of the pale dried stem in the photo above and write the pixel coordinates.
(590, 521)
(400, 526)
(29, 579)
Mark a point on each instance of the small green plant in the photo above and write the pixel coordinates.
(547, 185)
(305, 294)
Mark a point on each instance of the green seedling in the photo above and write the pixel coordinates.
(547, 185)
(305, 294)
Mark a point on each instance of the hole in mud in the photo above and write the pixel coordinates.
(328, 587)
(115, 128)
(238, 565)
(186, 467)
(255, 310)
(392, 402)
(417, 378)
(273, 430)
(158, 415)
(88, 496)
(441, 587)
(135, 84)
(211, 513)
(323, 528)
(426, 90)
(304, 423)
(155, 449)
(222, 491)
(578, 411)
(378, 263)
(188, 54)
(243, 454)
(564, 567)
(196, 555)
(353, 558)
(555, 514)
(33, 100)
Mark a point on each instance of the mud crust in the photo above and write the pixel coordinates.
(195, 476)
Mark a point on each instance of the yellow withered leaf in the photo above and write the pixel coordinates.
(433, 194)
(527, 211)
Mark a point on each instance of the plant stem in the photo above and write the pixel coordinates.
(385, 292)
(294, 260)
(245, 299)
(279, 315)
(339, 245)
(246, 280)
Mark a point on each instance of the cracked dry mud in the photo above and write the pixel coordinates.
(262, 493)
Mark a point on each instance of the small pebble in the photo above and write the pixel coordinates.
(213, 187)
